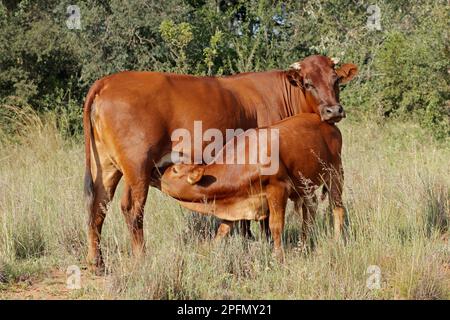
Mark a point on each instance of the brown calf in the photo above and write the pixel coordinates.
(310, 156)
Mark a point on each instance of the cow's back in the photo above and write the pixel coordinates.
(138, 111)
(175, 98)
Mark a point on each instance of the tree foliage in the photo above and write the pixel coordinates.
(403, 66)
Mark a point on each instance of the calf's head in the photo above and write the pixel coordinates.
(319, 80)
(178, 180)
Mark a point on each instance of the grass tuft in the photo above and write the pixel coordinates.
(397, 187)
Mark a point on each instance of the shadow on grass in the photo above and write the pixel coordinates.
(437, 198)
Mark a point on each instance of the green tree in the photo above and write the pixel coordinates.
(403, 68)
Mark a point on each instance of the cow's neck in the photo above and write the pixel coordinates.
(268, 96)
(297, 102)
(294, 100)
(263, 96)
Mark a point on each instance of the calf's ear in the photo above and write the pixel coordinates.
(176, 168)
(195, 175)
(346, 72)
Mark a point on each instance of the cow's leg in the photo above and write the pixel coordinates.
(277, 199)
(132, 205)
(264, 227)
(224, 229)
(105, 177)
(335, 196)
(298, 204)
(138, 160)
(309, 209)
(245, 229)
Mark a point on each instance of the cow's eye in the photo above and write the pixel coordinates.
(308, 86)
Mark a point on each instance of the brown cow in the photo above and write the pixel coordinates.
(309, 156)
(129, 118)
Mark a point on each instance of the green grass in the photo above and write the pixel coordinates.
(397, 188)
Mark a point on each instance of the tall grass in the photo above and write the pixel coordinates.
(397, 190)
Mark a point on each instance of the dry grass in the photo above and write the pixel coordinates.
(397, 195)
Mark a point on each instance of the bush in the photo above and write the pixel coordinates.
(413, 81)
(403, 67)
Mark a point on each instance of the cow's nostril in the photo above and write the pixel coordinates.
(328, 110)
(341, 109)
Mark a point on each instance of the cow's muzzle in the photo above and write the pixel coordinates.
(332, 114)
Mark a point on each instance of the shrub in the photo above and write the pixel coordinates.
(403, 66)
(413, 81)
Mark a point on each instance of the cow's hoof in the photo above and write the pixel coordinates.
(278, 254)
(303, 247)
(96, 266)
(98, 270)
(218, 241)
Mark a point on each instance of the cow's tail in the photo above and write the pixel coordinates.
(88, 136)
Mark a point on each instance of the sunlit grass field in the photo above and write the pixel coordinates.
(397, 191)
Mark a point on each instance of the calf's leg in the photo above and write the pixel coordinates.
(338, 218)
(244, 228)
(309, 209)
(224, 230)
(335, 196)
(277, 199)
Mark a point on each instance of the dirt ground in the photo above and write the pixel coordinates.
(53, 286)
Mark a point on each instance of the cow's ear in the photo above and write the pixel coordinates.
(347, 72)
(293, 74)
(195, 175)
(294, 77)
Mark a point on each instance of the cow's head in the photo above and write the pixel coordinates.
(319, 80)
(178, 179)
